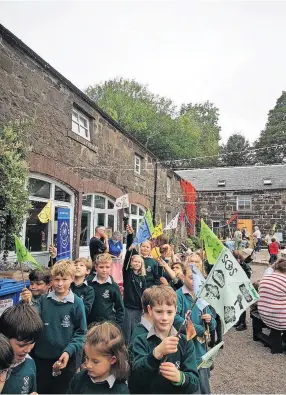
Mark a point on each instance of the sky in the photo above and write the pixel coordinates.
(231, 53)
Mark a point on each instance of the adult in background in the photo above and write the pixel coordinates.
(237, 239)
(257, 238)
(98, 243)
(115, 244)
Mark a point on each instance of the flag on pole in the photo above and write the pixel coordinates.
(121, 202)
(198, 282)
(146, 228)
(209, 357)
(190, 330)
(213, 245)
(228, 289)
(148, 217)
(158, 231)
(23, 255)
(173, 223)
(46, 214)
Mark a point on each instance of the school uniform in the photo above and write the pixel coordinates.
(64, 331)
(22, 379)
(86, 293)
(82, 383)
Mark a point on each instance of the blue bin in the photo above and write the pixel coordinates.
(10, 291)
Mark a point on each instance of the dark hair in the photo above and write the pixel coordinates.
(6, 353)
(280, 265)
(38, 275)
(21, 322)
(273, 239)
(108, 340)
(238, 256)
(178, 263)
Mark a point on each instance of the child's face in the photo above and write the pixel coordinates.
(103, 270)
(177, 269)
(145, 249)
(21, 349)
(80, 269)
(97, 365)
(136, 263)
(61, 284)
(188, 280)
(39, 287)
(163, 316)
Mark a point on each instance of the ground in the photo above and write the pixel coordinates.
(245, 366)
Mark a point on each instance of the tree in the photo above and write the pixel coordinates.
(237, 151)
(272, 142)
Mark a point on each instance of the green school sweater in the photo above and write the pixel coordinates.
(108, 303)
(82, 384)
(22, 379)
(184, 303)
(86, 293)
(64, 328)
(152, 272)
(145, 374)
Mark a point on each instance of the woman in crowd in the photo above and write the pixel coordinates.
(115, 245)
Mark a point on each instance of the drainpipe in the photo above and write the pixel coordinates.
(155, 191)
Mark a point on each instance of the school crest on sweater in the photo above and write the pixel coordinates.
(106, 294)
(26, 385)
(66, 322)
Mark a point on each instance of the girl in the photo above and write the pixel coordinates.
(6, 360)
(106, 367)
(134, 282)
(196, 260)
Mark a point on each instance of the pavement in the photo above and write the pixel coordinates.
(245, 366)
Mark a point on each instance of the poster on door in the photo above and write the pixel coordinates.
(63, 234)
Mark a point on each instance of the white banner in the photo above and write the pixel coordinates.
(173, 223)
(209, 357)
(121, 202)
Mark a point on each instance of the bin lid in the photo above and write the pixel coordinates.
(8, 286)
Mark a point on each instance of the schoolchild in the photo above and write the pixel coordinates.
(22, 325)
(146, 321)
(40, 283)
(6, 360)
(106, 366)
(80, 286)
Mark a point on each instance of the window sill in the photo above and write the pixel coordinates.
(82, 140)
(139, 176)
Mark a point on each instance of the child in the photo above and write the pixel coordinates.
(80, 286)
(22, 325)
(6, 360)
(150, 373)
(106, 363)
(146, 321)
(40, 283)
(134, 283)
(64, 332)
(171, 277)
(185, 298)
(273, 250)
(108, 303)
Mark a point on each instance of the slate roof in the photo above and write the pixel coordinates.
(236, 178)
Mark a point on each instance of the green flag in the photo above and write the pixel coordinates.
(148, 217)
(23, 254)
(213, 245)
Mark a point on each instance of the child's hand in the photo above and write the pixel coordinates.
(161, 262)
(170, 372)
(168, 346)
(206, 317)
(63, 359)
(129, 229)
(26, 295)
(163, 281)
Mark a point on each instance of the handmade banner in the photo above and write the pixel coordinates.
(228, 289)
(148, 218)
(63, 235)
(173, 223)
(198, 282)
(121, 202)
(209, 357)
(158, 231)
(46, 214)
(23, 255)
(213, 245)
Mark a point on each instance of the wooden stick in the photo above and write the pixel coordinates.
(22, 272)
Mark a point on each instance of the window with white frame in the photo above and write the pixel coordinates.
(36, 235)
(215, 227)
(137, 164)
(243, 203)
(168, 187)
(80, 124)
(136, 214)
(96, 210)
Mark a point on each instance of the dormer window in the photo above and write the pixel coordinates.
(267, 181)
(221, 183)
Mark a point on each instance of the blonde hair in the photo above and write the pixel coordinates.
(108, 341)
(162, 294)
(142, 270)
(198, 264)
(63, 268)
(87, 262)
(103, 258)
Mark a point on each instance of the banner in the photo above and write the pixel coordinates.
(198, 282)
(228, 289)
(121, 202)
(209, 357)
(158, 230)
(23, 255)
(63, 235)
(148, 217)
(46, 214)
(212, 244)
(143, 233)
(173, 223)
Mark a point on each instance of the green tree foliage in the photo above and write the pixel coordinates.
(273, 134)
(14, 203)
(155, 122)
(236, 152)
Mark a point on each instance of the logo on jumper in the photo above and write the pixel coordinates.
(178, 364)
(25, 388)
(82, 297)
(148, 269)
(66, 322)
(106, 294)
(140, 284)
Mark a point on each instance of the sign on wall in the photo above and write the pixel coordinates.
(63, 234)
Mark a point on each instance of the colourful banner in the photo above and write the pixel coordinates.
(212, 244)
(63, 235)
(158, 230)
(23, 255)
(46, 214)
(143, 233)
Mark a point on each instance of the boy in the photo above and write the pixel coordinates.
(150, 373)
(185, 298)
(108, 303)
(273, 250)
(80, 286)
(40, 283)
(64, 332)
(22, 325)
(146, 321)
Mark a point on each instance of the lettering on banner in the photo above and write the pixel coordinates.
(228, 264)
(4, 304)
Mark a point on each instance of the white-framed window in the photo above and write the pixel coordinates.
(243, 203)
(168, 187)
(80, 124)
(36, 235)
(97, 210)
(136, 214)
(215, 227)
(137, 164)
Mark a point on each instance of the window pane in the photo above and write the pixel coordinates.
(133, 209)
(110, 222)
(62, 195)
(134, 225)
(86, 200)
(100, 219)
(85, 228)
(83, 122)
(110, 205)
(75, 116)
(99, 202)
(141, 212)
(83, 131)
(39, 188)
(75, 127)
(36, 232)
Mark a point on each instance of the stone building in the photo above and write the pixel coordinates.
(81, 158)
(256, 193)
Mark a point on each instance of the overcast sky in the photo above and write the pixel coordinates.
(229, 52)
